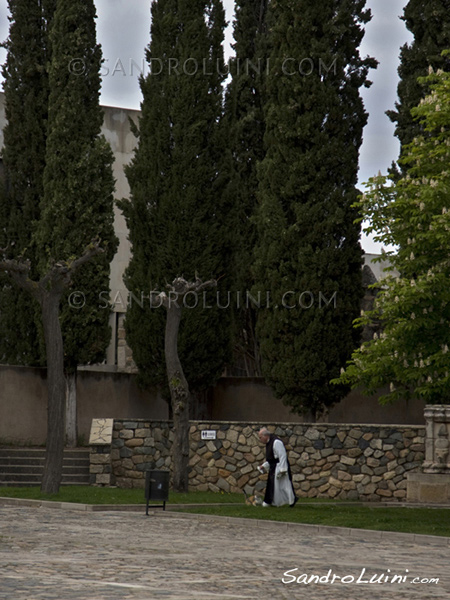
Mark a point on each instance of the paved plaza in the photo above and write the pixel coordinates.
(52, 554)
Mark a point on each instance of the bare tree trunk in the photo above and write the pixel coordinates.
(179, 389)
(179, 393)
(48, 291)
(71, 409)
(56, 393)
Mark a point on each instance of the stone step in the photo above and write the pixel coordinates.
(34, 484)
(37, 469)
(39, 461)
(25, 466)
(40, 452)
(80, 479)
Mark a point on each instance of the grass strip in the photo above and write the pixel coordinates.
(427, 521)
(84, 494)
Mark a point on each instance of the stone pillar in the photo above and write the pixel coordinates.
(432, 485)
(437, 442)
(100, 441)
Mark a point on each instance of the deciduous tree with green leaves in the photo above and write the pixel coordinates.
(413, 213)
(308, 241)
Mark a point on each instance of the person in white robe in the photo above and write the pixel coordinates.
(279, 489)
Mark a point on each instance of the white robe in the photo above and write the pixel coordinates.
(283, 492)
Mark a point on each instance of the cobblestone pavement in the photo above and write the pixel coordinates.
(67, 555)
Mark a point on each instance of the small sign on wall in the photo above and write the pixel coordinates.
(209, 434)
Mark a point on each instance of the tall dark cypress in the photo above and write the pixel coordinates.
(77, 204)
(70, 199)
(26, 110)
(429, 22)
(52, 69)
(308, 255)
(176, 215)
(244, 120)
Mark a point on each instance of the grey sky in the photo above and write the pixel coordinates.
(123, 28)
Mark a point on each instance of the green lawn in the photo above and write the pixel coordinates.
(429, 521)
(103, 495)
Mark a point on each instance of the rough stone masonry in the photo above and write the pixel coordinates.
(348, 462)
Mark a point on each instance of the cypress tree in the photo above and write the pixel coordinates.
(308, 255)
(75, 81)
(26, 108)
(176, 215)
(244, 121)
(429, 22)
(72, 200)
(77, 204)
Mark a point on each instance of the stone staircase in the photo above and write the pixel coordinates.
(24, 466)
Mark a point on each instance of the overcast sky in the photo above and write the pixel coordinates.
(123, 29)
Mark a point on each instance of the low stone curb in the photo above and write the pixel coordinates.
(71, 505)
(361, 535)
(5, 501)
(308, 529)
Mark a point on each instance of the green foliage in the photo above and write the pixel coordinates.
(308, 242)
(77, 205)
(177, 216)
(59, 183)
(412, 353)
(26, 92)
(244, 122)
(428, 21)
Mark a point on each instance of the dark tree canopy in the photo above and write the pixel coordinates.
(58, 192)
(308, 242)
(428, 21)
(26, 110)
(78, 203)
(244, 120)
(177, 216)
(58, 197)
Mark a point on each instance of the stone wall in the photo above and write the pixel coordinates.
(348, 462)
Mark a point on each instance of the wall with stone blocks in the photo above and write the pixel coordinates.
(348, 462)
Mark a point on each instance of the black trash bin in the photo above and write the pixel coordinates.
(156, 488)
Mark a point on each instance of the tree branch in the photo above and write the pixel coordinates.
(179, 288)
(19, 272)
(93, 249)
(59, 274)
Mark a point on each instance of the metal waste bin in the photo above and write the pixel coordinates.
(156, 488)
